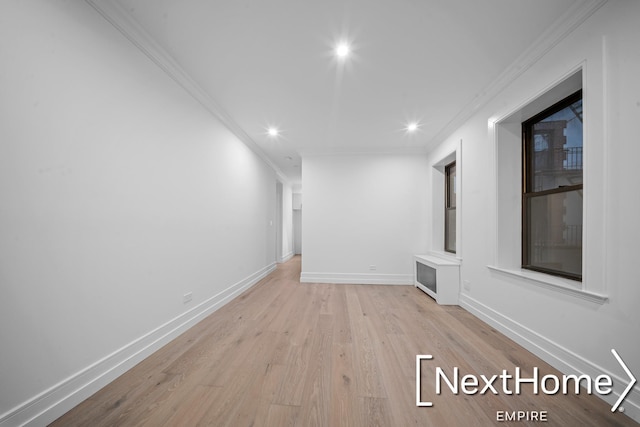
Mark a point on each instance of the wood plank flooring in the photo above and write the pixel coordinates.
(292, 354)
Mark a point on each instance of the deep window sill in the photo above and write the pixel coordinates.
(448, 256)
(566, 286)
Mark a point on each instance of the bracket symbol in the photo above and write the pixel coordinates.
(632, 381)
(420, 357)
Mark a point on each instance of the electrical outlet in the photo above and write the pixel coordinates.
(187, 297)
(466, 284)
(372, 267)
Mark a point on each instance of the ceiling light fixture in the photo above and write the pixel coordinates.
(273, 132)
(342, 50)
(412, 127)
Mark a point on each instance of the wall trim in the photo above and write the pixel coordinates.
(54, 402)
(554, 283)
(126, 24)
(553, 353)
(355, 278)
(286, 257)
(558, 31)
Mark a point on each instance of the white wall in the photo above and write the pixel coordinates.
(297, 223)
(362, 211)
(119, 194)
(297, 232)
(287, 222)
(574, 332)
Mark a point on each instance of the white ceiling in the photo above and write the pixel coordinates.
(272, 63)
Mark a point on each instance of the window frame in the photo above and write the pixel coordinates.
(448, 204)
(528, 180)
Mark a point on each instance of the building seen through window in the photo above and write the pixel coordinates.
(553, 190)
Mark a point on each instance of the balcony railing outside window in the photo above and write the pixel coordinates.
(552, 190)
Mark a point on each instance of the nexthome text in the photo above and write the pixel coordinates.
(507, 383)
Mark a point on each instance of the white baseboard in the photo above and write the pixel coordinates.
(354, 278)
(556, 355)
(286, 257)
(54, 402)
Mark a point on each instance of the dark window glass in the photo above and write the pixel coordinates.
(552, 198)
(450, 208)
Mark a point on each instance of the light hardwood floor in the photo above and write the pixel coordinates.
(292, 354)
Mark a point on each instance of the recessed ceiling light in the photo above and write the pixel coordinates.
(342, 50)
(412, 127)
(273, 132)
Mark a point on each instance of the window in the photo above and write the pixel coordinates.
(552, 190)
(450, 208)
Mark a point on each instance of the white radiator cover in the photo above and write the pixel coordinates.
(440, 279)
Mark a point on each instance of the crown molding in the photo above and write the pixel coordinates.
(122, 20)
(126, 24)
(572, 18)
